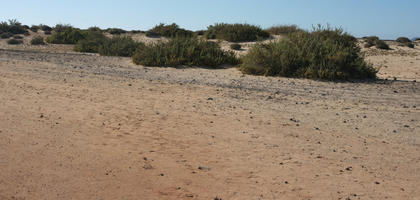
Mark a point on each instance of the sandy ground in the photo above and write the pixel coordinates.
(77, 126)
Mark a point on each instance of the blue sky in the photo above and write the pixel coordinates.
(386, 18)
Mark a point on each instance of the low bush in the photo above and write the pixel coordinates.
(172, 30)
(403, 40)
(324, 53)
(13, 26)
(34, 28)
(18, 37)
(94, 29)
(283, 29)
(6, 35)
(200, 32)
(45, 28)
(37, 40)
(14, 41)
(184, 51)
(119, 46)
(116, 31)
(65, 34)
(235, 46)
(91, 44)
(380, 44)
(370, 41)
(236, 32)
(47, 32)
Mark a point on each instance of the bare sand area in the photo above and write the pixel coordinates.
(82, 126)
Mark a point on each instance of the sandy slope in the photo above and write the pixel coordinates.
(79, 126)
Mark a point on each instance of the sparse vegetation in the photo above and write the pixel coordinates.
(172, 30)
(236, 32)
(18, 37)
(184, 51)
(37, 40)
(14, 41)
(235, 46)
(324, 53)
(283, 29)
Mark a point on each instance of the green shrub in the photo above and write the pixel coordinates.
(37, 40)
(18, 37)
(200, 32)
(416, 39)
(6, 35)
(283, 29)
(116, 31)
(26, 34)
(13, 26)
(47, 32)
(370, 41)
(14, 41)
(380, 44)
(236, 32)
(184, 51)
(172, 30)
(119, 46)
(403, 40)
(45, 28)
(324, 53)
(34, 28)
(94, 29)
(235, 46)
(65, 34)
(92, 43)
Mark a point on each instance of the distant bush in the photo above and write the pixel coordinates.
(200, 32)
(92, 43)
(283, 29)
(65, 34)
(119, 46)
(416, 39)
(37, 40)
(375, 41)
(172, 30)
(13, 26)
(408, 44)
(403, 40)
(45, 28)
(184, 51)
(34, 28)
(116, 31)
(94, 29)
(236, 32)
(235, 46)
(14, 41)
(380, 44)
(18, 37)
(370, 41)
(26, 34)
(324, 53)
(6, 35)
(47, 32)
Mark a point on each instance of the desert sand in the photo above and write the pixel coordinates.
(82, 126)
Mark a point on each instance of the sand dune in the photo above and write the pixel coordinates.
(81, 126)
